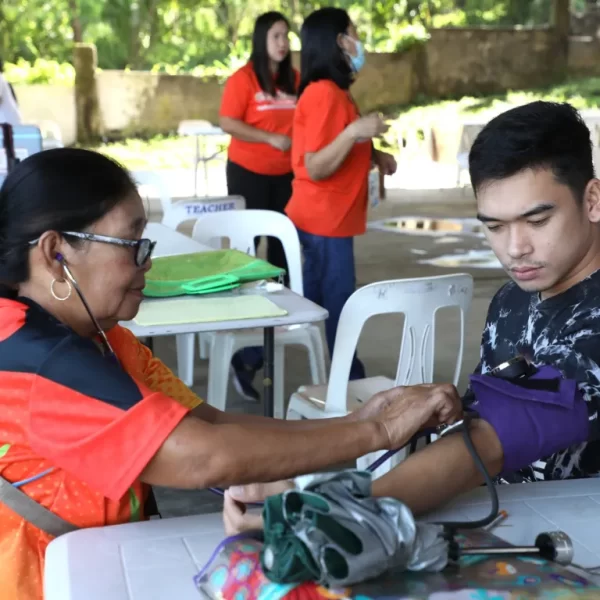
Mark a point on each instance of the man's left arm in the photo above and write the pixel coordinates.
(445, 469)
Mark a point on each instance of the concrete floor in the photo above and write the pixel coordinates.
(379, 256)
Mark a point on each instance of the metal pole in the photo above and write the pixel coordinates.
(269, 344)
(196, 166)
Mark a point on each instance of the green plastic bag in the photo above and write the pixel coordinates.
(205, 273)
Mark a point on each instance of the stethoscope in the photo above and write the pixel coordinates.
(515, 368)
(108, 351)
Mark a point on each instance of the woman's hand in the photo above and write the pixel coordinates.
(280, 142)
(236, 517)
(368, 127)
(385, 162)
(405, 410)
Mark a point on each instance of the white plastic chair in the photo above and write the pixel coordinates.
(174, 214)
(419, 300)
(152, 182)
(462, 165)
(51, 135)
(179, 211)
(596, 160)
(241, 228)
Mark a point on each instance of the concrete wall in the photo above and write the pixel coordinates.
(481, 61)
(56, 103)
(142, 102)
(387, 78)
(454, 62)
(584, 56)
(390, 79)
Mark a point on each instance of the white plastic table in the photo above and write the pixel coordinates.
(200, 130)
(299, 310)
(157, 560)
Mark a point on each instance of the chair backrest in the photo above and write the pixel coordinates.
(151, 179)
(178, 212)
(419, 300)
(242, 227)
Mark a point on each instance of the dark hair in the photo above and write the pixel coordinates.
(286, 79)
(66, 189)
(539, 135)
(321, 56)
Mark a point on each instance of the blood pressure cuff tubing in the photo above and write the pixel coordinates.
(530, 423)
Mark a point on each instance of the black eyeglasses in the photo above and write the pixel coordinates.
(143, 248)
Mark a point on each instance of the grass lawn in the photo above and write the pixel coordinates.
(160, 152)
(173, 152)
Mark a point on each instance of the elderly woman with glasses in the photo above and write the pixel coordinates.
(89, 419)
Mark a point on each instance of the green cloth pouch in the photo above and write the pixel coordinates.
(205, 273)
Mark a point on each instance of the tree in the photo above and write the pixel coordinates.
(186, 33)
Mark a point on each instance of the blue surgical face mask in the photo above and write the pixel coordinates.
(357, 62)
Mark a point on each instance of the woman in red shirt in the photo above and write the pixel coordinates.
(332, 154)
(257, 110)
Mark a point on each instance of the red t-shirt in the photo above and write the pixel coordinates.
(244, 99)
(336, 206)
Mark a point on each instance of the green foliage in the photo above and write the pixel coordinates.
(401, 38)
(41, 71)
(581, 93)
(201, 35)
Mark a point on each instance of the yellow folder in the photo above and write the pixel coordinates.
(188, 309)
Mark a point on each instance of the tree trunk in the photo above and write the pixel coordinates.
(87, 105)
(561, 17)
(228, 13)
(561, 22)
(134, 36)
(75, 21)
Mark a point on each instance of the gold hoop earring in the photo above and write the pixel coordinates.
(55, 295)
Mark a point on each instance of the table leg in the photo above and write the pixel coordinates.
(269, 357)
(196, 161)
(205, 160)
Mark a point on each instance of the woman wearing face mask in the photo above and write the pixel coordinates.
(257, 110)
(332, 154)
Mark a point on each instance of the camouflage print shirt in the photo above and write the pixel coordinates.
(564, 332)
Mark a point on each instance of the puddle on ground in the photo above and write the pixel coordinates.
(444, 231)
(474, 259)
(429, 226)
(448, 239)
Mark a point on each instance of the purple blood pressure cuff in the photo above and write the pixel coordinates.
(531, 423)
